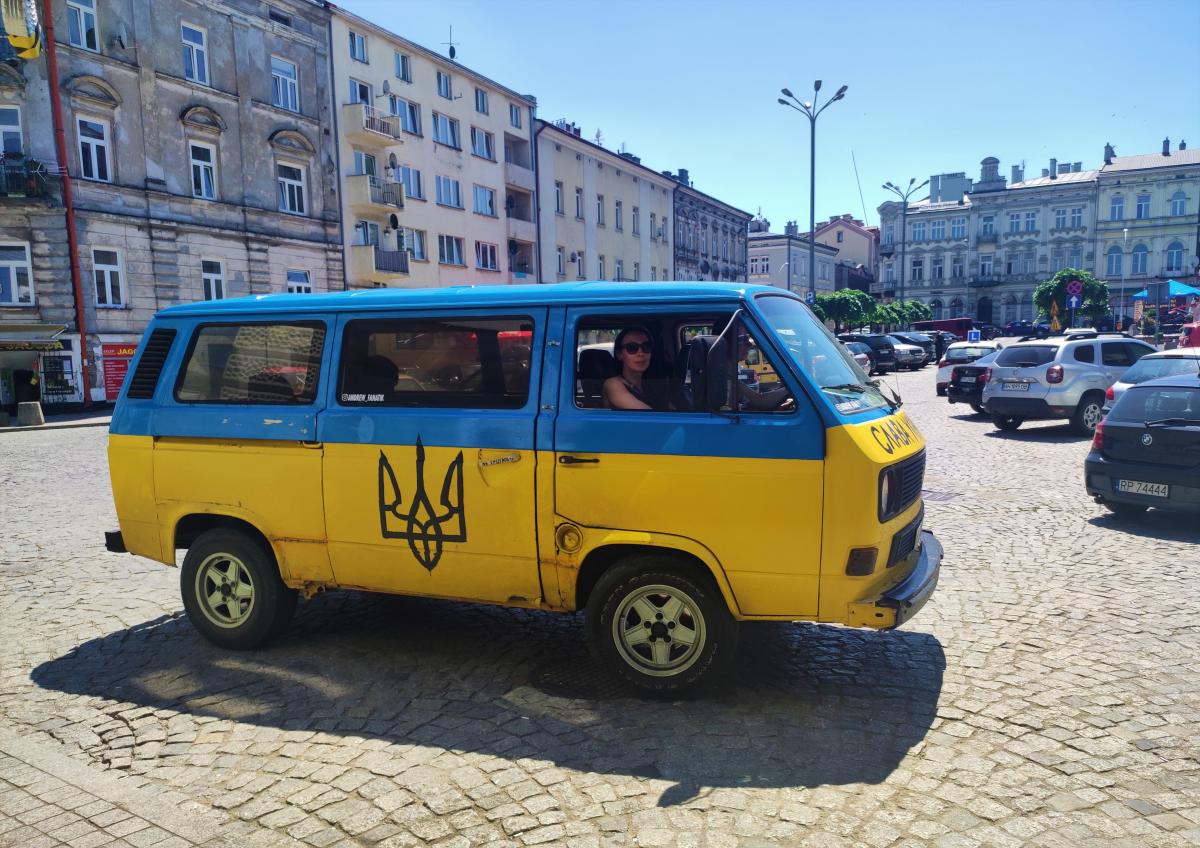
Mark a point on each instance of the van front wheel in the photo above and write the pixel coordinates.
(232, 591)
(660, 628)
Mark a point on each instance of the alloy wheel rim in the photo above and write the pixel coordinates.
(659, 630)
(224, 590)
(1091, 416)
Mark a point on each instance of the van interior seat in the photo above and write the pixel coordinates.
(595, 366)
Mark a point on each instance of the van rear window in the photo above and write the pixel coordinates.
(266, 363)
(436, 362)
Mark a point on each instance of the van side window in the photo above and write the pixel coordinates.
(436, 362)
(270, 363)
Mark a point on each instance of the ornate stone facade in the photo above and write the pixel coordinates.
(710, 235)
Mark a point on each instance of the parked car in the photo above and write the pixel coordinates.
(967, 381)
(908, 356)
(987, 331)
(1146, 452)
(883, 351)
(960, 353)
(1059, 377)
(1189, 335)
(1163, 363)
(1024, 328)
(921, 340)
(861, 354)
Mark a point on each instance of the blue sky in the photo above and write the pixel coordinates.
(934, 86)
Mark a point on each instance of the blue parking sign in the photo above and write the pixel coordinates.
(809, 296)
(973, 335)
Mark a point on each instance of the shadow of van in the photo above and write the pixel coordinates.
(809, 705)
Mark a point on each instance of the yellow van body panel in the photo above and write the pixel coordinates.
(130, 465)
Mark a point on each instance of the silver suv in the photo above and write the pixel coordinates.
(1063, 377)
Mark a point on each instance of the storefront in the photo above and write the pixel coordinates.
(35, 365)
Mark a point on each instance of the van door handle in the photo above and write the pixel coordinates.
(575, 460)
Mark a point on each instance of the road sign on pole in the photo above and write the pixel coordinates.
(808, 295)
(1074, 287)
(1073, 301)
(973, 335)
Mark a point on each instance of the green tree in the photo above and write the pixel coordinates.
(917, 311)
(846, 308)
(1054, 290)
(889, 315)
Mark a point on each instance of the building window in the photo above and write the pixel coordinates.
(601, 268)
(889, 273)
(1141, 259)
(203, 158)
(11, 137)
(1075, 258)
(212, 276)
(403, 67)
(956, 267)
(579, 265)
(285, 91)
(1115, 261)
(636, 220)
(448, 193)
(889, 235)
(445, 130)
(81, 23)
(413, 187)
(514, 115)
(443, 86)
(637, 270)
(106, 268)
(358, 47)
(483, 144)
(485, 201)
(1060, 219)
(918, 231)
(619, 270)
(937, 231)
(1179, 203)
(1142, 210)
(1031, 222)
(360, 92)
(414, 242)
(987, 225)
(1174, 257)
(299, 282)
(450, 250)
(366, 232)
(195, 53)
(918, 270)
(618, 216)
(1028, 260)
(291, 188)
(481, 104)
(579, 204)
(1077, 216)
(1014, 222)
(935, 269)
(364, 163)
(1116, 208)
(562, 268)
(93, 150)
(408, 113)
(485, 257)
(654, 273)
(558, 197)
(958, 228)
(841, 237)
(985, 264)
(653, 232)
(16, 278)
(600, 210)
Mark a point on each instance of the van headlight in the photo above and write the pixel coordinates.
(889, 491)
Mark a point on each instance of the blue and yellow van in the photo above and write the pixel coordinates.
(454, 443)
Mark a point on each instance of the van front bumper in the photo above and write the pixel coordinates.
(904, 600)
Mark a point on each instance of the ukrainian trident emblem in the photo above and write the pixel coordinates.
(425, 526)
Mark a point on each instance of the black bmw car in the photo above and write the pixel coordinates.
(1146, 453)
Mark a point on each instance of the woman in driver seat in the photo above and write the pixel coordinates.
(632, 350)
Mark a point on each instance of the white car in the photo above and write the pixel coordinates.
(960, 353)
(1164, 363)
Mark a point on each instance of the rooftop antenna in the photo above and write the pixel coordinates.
(860, 194)
(450, 43)
(599, 138)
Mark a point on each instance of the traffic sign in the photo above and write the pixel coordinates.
(972, 335)
(1073, 301)
(1074, 287)
(809, 296)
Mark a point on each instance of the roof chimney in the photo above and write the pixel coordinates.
(1166, 147)
(1182, 144)
(1053, 169)
(1076, 167)
(1018, 174)
(683, 177)
(1045, 172)
(790, 229)
(1109, 154)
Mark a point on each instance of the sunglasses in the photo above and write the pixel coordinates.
(634, 347)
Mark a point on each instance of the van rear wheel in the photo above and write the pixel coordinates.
(232, 591)
(660, 628)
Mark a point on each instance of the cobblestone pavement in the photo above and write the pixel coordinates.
(1048, 694)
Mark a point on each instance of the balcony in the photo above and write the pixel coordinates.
(520, 261)
(368, 127)
(984, 281)
(887, 249)
(521, 230)
(518, 176)
(367, 194)
(987, 238)
(370, 264)
(22, 177)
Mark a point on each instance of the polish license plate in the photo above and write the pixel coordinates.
(1016, 387)
(1137, 487)
(966, 379)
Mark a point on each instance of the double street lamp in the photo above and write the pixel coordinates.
(811, 111)
(904, 194)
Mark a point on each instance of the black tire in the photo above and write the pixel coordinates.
(683, 670)
(941, 391)
(1007, 423)
(1089, 412)
(1124, 510)
(222, 560)
(979, 410)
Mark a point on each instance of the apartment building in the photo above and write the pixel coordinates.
(198, 148)
(710, 235)
(434, 162)
(782, 259)
(601, 215)
(858, 251)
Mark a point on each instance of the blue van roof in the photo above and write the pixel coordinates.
(486, 296)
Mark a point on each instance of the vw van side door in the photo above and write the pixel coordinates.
(746, 488)
(429, 453)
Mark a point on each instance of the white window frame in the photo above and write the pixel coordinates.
(364, 163)
(937, 231)
(654, 272)
(403, 66)
(366, 233)
(578, 204)
(917, 275)
(618, 269)
(653, 231)
(918, 231)
(1060, 219)
(1141, 203)
(987, 264)
(636, 221)
(451, 196)
(193, 70)
(562, 260)
(481, 100)
(484, 201)
(558, 197)
(12, 129)
(958, 228)
(414, 243)
(445, 85)
(81, 10)
(1014, 222)
(414, 185)
(358, 47)
(107, 272)
(1116, 208)
(194, 164)
(618, 216)
(599, 210)
(291, 190)
(1140, 263)
(1175, 253)
(357, 87)
(637, 271)
(212, 284)
(1076, 216)
(600, 266)
(408, 112)
(285, 90)
(455, 245)
(13, 267)
(89, 148)
(1031, 222)
(579, 265)
(514, 115)
(301, 283)
(1179, 203)
(488, 150)
(1114, 261)
(445, 131)
(487, 256)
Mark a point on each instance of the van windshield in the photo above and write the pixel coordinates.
(819, 355)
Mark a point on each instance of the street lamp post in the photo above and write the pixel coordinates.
(1124, 251)
(904, 194)
(810, 110)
